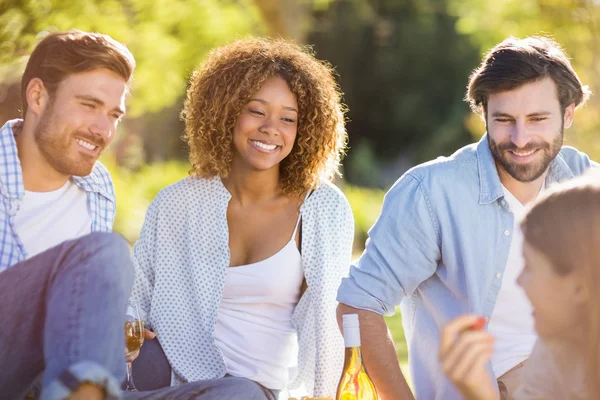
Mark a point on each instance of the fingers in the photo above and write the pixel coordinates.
(468, 357)
(451, 330)
(148, 334)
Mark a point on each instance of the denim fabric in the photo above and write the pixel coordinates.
(439, 249)
(152, 374)
(228, 387)
(62, 313)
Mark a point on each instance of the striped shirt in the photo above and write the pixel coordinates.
(98, 185)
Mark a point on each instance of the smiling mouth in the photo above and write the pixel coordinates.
(264, 146)
(86, 145)
(523, 153)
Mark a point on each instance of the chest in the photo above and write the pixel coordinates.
(65, 213)
(258, 233)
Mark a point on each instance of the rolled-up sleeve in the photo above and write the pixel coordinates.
(402, 251)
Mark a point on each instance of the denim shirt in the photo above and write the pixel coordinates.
(439, 249)
(98, 185)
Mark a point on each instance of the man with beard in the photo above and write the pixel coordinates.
(447, 241)
(64, 278)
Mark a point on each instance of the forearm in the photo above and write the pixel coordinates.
(379, 354)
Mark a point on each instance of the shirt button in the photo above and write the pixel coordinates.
(506, 232)
(498, 275)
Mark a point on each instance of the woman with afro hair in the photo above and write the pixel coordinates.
(237, 266)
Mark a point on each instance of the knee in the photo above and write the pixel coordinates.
(247, 389)
(109, 253)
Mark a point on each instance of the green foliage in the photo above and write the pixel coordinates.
(403, 68)
(366, 207)
(575, 24)
(167, 37)
(136, 190)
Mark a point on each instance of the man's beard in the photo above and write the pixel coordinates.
(56, 146)
(533, 170)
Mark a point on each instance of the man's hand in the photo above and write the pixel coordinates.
(148, 334)
(465, 351)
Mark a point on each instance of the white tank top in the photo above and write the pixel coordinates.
(254, 329)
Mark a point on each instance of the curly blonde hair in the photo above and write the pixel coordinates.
(224, 83)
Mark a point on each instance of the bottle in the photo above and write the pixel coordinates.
(355, 383)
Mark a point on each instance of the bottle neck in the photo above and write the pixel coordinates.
(353, 358)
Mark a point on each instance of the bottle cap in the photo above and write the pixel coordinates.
(351, 330)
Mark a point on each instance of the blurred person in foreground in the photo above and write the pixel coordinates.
(562, 281)
(448, 241)
(64, 278)
(237, 266)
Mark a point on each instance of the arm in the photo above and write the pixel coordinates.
(379, 354)
(402, 251)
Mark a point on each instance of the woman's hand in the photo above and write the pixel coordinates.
(148, 334)
(465, 350)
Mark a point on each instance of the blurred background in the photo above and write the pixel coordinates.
(403, 66)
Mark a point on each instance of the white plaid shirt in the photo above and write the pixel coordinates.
(98, 185)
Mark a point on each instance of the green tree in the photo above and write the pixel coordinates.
(168, 37)
(573, 23)
(403, 69)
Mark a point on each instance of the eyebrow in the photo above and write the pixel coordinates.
(99, 102)
(266, 103)
(534, 114)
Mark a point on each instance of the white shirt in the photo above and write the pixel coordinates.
(512, 322)
(46, 219)
(254, 330)
(181, 260)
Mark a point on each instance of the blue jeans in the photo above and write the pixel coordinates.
(152, 376)
(62, 314)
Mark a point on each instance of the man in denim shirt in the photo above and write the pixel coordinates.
(64, 278)
(446, 242)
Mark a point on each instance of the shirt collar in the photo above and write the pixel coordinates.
(490, 187)
(11, 173)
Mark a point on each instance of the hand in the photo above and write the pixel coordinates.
(464, 354)
(148, 334)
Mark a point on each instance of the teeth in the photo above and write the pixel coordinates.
(85, 144)
(264, 146)
(524, 154)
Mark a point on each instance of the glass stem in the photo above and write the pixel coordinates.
(130, 387)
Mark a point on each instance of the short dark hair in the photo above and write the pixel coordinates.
(515, 62)
(60, 54)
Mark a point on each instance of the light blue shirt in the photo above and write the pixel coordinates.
(439, 249)
(98, 185)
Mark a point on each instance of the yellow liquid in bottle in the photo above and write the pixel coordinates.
(355, 383)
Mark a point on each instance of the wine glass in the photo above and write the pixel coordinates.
(134, 339)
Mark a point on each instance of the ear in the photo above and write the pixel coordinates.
(484, 115)
(580, 290)
(37, 96)
(569, 115)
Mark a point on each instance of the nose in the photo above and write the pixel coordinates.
(520, 136)
(102, 126)
(268, 127)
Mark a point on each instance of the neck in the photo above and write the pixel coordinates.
(248, 186)
(525, 192)
(38, 174)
